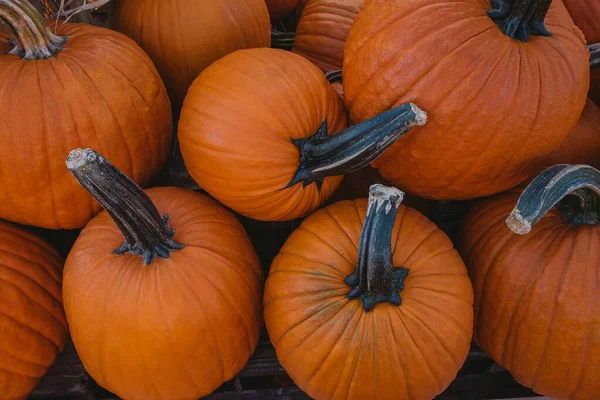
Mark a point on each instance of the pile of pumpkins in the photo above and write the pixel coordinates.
(162, 293)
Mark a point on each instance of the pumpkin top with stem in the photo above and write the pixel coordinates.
(521, 18)
(552, 186)
(146, 232)
(27, 29)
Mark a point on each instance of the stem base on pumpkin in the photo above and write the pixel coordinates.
(520, 18)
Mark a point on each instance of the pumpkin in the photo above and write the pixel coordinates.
(537, 301)
(323, 29)
(33, 327)
(582, 146)
(586, 14)
(369, 300)
(281, 8)
(87, 86)
(498, 106)
(175, 310)
(184, 37)
(254, 134)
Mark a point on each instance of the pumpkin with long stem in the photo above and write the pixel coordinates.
(504, 85)
(369, 300)
(257, 133)
(184, 37)
(33, 327)
(323, 29)
(537, 299)
(162, 291)
(83, 86)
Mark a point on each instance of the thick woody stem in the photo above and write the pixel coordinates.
(521, 18)
(594, 55)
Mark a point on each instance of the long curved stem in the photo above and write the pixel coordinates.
(552, 186)
(355, 147)
(146, 232)
(27, 28)
(521, 18)
(375, 279)
(594, 55)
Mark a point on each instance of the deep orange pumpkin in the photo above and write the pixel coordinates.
(586, 15)
(33, 327)
(537, 299)
(184, 37)
(411, 344)
(99, 89)
(582, 146)
(323, 29)
(281, 8)
(498, 106)
(179, 326)
(253, 134)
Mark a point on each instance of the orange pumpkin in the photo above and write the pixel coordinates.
(281, 8)
(582, 146)
(33, 328)
(369, 300)
(323, 30)
(537, 299)
(253, 134)
(586, 14)
(184, 37)
(498, 106)
(182, 324)
(89, 86)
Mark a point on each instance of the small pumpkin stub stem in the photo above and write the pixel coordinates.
(551, 187)
(28, 31)
(594, 56)
(353, 148)
(520, 18)
(282, 40)
(334, 76)
(146, 233)
(375, 279)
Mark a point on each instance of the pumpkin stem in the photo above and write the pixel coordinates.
(334, 76)
(594, 55)
(282, 40)
(552, 186)
(353, 148)
(28, 31)
(146, 233)
(521, 18)
(375, 279)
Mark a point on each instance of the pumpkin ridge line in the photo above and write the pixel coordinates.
(38, 284)
(54, 277)
(323, 241)
(56, 347)
(18, 373)
(34, 364)
(31, 239)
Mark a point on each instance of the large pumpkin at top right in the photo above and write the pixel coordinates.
(500, 95)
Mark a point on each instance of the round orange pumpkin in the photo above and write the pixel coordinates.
(537, 299)
(33, 327)
(369, 301)
(183, 323)
(184, 37)
(323, 29)
(88, 86)
(254, 134)
(586, 14)
(582, 146)
(498, 106)
(281, 8)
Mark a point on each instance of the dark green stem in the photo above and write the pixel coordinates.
(28, 31)
(334, 76)
(282, 40)
(594, 55)
(353, 148)
(521, 18)
(375, 279)
(146, 233)
(552, 186)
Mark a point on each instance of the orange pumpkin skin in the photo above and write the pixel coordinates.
(375, 355)
(489, 115)
(102, 91)
(582, 146)
(586, 14)
(33, 327)
(238, 118)
(281, 8)
(107, 297)
(184, 37)
(537, 309)
(323, 30)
